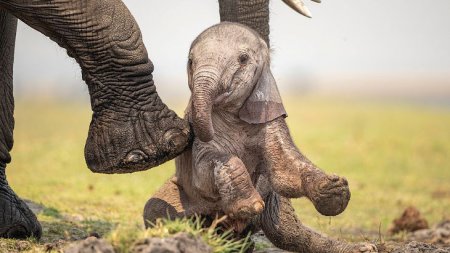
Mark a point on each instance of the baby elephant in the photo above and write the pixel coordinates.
(243, 162)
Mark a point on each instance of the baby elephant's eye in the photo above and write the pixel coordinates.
(243, 59)
(190, 63)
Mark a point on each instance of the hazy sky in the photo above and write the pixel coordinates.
(345, 37)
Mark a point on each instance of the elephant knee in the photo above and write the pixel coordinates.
(287, 185)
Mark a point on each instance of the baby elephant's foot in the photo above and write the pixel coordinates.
(240, 200)
(329, 193)
(245, 208)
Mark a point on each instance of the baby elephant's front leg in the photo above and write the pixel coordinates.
(239, 197)
(292, 175)
(224, 178)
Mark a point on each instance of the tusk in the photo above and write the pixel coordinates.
(299, 7)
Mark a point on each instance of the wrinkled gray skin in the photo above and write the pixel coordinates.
(131, 128)
(243, 156)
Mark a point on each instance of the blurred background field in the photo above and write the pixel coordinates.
(394, 155)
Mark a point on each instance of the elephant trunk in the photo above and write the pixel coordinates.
(205, 83)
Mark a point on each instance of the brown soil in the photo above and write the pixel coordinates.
(410, 221)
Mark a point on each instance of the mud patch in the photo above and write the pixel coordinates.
(410, 221)
(90, 245)
(432, 240)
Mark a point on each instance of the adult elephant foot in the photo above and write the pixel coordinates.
(135, 139)
(16, 219)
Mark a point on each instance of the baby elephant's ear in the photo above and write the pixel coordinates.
(264, 103)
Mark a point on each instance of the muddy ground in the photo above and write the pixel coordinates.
(431, 240)
(415, 237)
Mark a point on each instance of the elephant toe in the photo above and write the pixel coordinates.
(245, 209)
(17, 221)
(19, 231)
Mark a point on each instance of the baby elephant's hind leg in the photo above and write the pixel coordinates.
(283, 228)
(168, 202)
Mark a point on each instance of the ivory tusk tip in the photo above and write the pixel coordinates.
(305, 12)
(299, 7)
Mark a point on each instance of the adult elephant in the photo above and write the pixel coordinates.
(131, 128)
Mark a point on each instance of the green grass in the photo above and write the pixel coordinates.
(124, 237)
(393, 156)
(222, 243)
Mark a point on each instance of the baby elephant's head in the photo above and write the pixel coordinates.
(229, 70)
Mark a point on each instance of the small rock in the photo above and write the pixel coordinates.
(410, 221)
(179, 243)
(90, 245)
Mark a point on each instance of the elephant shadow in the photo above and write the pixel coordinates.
(61, 228)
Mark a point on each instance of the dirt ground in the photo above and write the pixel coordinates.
(410, 233)
(430, 240)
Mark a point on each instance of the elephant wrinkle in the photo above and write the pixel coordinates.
(128, 114)
(250, 167)
(131, 128)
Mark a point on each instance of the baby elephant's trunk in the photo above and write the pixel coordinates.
(205, 84)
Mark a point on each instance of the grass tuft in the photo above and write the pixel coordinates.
(123, 237)
(220, 242)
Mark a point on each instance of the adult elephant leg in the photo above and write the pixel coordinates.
(283, 228)
(131, 128)
(252, 13)
(16, 219)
